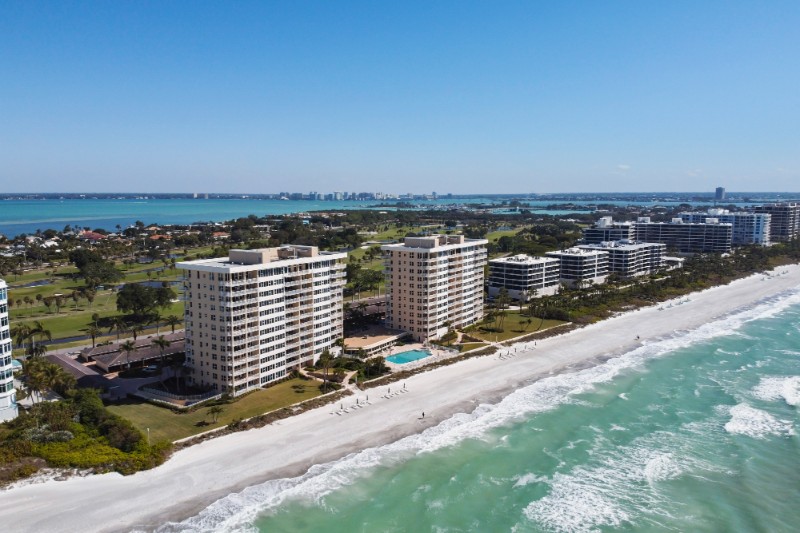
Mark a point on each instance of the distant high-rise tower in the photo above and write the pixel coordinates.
(719, 195)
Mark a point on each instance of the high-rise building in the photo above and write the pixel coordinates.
(8, 396)
(523, 276)
(433, 282)
(785, 221)
(630, 259)
(746, 228)
(580, 266)
(711, 236)
(254, 316)
(606, 230)
(719, 194)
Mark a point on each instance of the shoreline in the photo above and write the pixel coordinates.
(201, 474)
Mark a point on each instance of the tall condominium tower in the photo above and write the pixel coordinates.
(785, 222)
(8, 397)
(432, 282)
(254, 316)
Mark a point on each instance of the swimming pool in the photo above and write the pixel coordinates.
(407, 357)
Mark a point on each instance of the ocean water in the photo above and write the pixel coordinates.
(696, 432)
(27, 216)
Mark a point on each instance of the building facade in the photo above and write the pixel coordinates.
(8, 396)
(256, 315)
(710, 236)
(523, 276)
(746, 228)
(606, 230)
(579, 266)
(785, 220)
(630, 259)
(432, 282)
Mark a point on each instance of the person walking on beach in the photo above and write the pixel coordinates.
(423, 414)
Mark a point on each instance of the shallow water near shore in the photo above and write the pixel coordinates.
(696, 432)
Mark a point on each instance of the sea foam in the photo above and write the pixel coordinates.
(755, 423)
(779, 388)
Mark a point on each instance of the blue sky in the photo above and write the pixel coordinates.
(405, 96)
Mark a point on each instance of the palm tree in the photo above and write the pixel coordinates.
(325, 359)
(172, 321)
(128, 347)
(215, 411)
(20, 333)
(162, 344)
(117, 324)
(339, 343)
(93, 331)
(37, 330)
(136, 329)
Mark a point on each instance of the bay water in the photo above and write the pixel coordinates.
(694, 432)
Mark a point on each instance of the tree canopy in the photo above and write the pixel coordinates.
(141, 300)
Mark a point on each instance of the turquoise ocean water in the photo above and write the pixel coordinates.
(696, 432)
(27, 216)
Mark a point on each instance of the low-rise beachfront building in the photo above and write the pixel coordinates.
(523, 276)
(711, 236)
(606, 230)
(8, 396)
(579, 267)
(785, 220)
(254, 316)
(433, 282)
(630, 259)
(746, 228)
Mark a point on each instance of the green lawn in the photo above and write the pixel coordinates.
(515, 325)
(494, 236)
(165, 424)
(470, 346)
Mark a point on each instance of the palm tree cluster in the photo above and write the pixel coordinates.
(41, 375)
(31, 336)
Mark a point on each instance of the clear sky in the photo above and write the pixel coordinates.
(402, 96)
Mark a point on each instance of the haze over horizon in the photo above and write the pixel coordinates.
(462, 97)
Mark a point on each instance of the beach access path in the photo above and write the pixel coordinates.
(195, 477)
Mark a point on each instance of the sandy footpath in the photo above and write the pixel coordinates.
(197, 476)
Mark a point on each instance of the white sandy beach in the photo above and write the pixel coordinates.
(197, 476)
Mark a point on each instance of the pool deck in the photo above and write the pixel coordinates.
(437, 354)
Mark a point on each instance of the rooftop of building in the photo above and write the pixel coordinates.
(679, 222)
(523, 259)
(432, 242)
(575, 252)
(289, 253)
(620, 245)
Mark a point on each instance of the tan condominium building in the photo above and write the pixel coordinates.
(433, 282)
(253, 317)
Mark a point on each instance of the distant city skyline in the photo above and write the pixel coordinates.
(461, 97)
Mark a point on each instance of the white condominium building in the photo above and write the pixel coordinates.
(8, 396)
(746, 228)
(606, 230)
(580, 266)
(711, 236)
(434, 281)
(629, 259)
(523, 276)
(254, 316)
